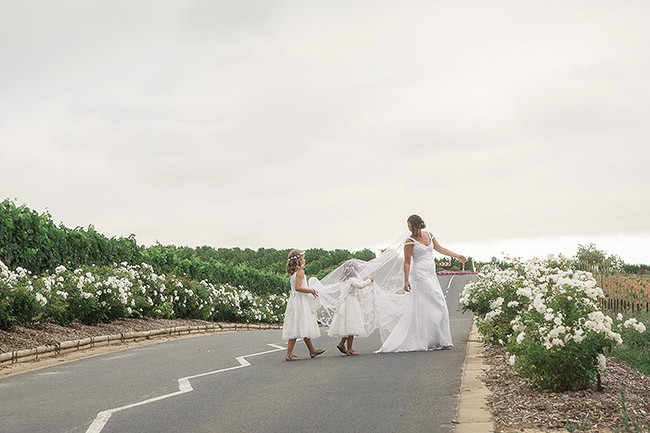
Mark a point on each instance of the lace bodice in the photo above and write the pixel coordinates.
(422, 257)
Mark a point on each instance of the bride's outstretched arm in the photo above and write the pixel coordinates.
(446, 252)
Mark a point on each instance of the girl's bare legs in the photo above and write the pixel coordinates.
(312, 352)
(290, 345)
(341, 345)
(309, 345)
(350, 341)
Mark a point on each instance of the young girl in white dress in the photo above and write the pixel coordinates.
(348, 320)
(299, 318)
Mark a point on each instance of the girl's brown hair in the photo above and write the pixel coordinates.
(417, 224)
(295, 261)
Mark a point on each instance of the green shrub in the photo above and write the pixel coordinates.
(33, 241)
(554, 331)
(496, 299)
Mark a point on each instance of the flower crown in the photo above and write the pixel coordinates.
(297, 256)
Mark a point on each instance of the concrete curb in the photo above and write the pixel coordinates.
(37, 353)
(473, 414)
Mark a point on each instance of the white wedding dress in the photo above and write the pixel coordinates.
(424, 325)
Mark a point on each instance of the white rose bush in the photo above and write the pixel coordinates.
(94, 294)
(496, 300)
(547, 316)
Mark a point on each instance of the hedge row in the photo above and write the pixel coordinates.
(94, 294)
(34, 242)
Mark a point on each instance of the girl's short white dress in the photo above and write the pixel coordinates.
(348, 318)
(300, 317)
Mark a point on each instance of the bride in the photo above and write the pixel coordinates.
(424, 325)
(410, 317)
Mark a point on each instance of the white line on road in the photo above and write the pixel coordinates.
(184, 386)
(449, 285)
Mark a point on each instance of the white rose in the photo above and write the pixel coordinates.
(557, 342)
(41, 299)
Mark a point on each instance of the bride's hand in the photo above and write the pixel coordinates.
(407, 287)
(314, 292)
(462, 259)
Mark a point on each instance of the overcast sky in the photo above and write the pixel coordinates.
(509, 126)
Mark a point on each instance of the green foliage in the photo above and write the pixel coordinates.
(18, 305)
(32, 241)
(625, 423)
(590, 255)
(573, 426)
(635, 350)
(546, 314)
(23, 303)
(321, 262)
(263, 271)
(572, 366)
(636, 269)
(495, 301)
(95, 294)
(266, 260)
(456, 265)
(184, 261)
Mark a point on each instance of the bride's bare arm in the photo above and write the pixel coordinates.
(446, 252)
(408, 251)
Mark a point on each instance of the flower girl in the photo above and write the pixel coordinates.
(348, 319)
(299, 318)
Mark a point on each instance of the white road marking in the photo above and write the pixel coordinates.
(184, 386)
(449, 285)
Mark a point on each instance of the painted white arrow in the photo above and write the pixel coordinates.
(184, 386)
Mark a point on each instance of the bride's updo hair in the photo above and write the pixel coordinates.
(417, 224)
(295, 261)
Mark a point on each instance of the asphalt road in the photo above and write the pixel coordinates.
(225, 389)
